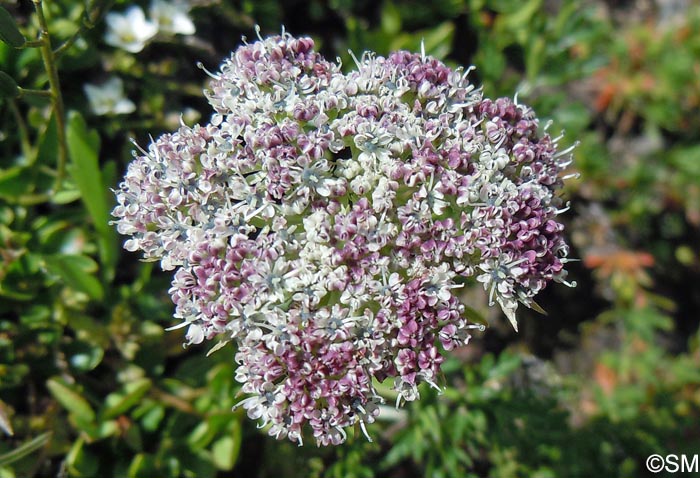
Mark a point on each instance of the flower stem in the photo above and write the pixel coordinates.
(56, 96)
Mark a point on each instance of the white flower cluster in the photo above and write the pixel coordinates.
(323, 221)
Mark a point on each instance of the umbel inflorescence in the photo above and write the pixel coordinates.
(324, 222)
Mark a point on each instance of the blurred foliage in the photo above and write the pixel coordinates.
(92, 385)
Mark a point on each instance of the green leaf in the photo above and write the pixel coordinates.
(89, 329)
(687, 160)
(152, 418)
(224, 453)
(14, 182)
(438, 40)
(142, 465)
(75, 271)
(83, 147)
(83, 356)
(47, 152)
(8, 86)
(71, 400)
(65, 196)
(218, 346)
(9, 33)
(435, 41)
(107, 429)
(133, 438)
(202, 435)
(119, 402)
(391, 19)
(24, 449)
(36, 317)
(80, 462)
(521, 19)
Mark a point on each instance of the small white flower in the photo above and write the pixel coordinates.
(316, 226)
(172, 17)
(433, 197)
(373, 142)
(354, 295)
(129, 31)
(384, 194)
(109, 98)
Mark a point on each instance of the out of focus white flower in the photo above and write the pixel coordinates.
(109, 98)
(172, 17)
(129, 31)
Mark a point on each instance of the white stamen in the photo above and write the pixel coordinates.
(342, 432)
(201, 66)
(567, 150)
(561, 211)
(357, 62)
(571, 176)
(364, 430)
(178, 326)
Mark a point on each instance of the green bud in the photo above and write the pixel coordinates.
(9, 33)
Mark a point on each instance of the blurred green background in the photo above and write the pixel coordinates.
(91, 384)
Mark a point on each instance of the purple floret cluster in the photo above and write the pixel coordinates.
(325, 222)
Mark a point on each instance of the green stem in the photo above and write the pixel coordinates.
(27, 92)
(29, 200)
(56, 96)
(91, 17)
(32, 44)
(173, 401)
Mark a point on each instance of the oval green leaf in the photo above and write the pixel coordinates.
(8, 87)
(9, 33)
(83, 149)
(76, 272)
(80, 461)
(224, 453)
(119, 402)
(71, 400)
(82, 356)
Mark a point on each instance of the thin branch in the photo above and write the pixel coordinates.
(91, 17)
(56, 95)
(28, 92)
(32, 44)
(174, 401)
